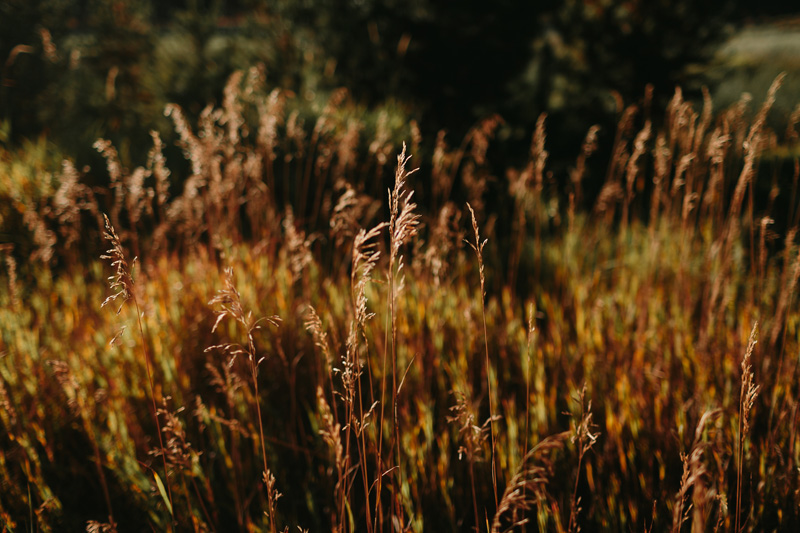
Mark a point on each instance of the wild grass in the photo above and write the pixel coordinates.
(598, 386)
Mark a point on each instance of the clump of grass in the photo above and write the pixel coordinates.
(228, 304)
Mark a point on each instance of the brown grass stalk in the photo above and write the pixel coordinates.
(123, 285)
(229, 304)
(694, 478)
(585, 439)
(364, 260)
(478, 248)
(531, 478)
(748, 393)
(403, 226)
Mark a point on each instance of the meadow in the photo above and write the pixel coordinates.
(309, 325)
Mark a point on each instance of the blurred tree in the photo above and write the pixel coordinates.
(105, 86)
(588, 50)
(449, 58)
(115, 63)
(28, 31)
(454, 62)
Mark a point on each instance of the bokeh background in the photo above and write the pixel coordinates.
(77, 70)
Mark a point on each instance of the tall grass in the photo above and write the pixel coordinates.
(388, 400)
(123, 286)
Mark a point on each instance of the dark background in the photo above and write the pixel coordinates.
(444, 63)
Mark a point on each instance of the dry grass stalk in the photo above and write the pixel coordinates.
(752, 151)
(609, 195)
(156, 164)
(632, 170)
(79, 405)
(528, 487)
(441, 177)
(324, 145)
(403, 226)
(180, 454)
(748, 393)
(11, 268)
(538, 154)
(724, 247)
(179, 450)
(70, 199)
(48, 46)
(270, 116)
(129, 190)
(314, 326)
(347, 149)
(349, 209)
(93, 526)
(763, 236)
(474, 183)
(526, 188)
(577, 173)
(298, 246)
(365, 258)
(791, 274)
(695, 478)
(9, 412)
(228, 304)
(416, 136)
(478, 248)
(474, 175)
(793, 140)
(228, 383)
(443, 238)
(331, 429)
(43, 237)
(619, 156)
(380, 147)
(717, 150)
(528, 347)
(481, 135)
(472, 437)
(705, 121)
(331, 432)
(191, 145)
(585, 439)
(232, 109)
(117, 175)
(123, 285)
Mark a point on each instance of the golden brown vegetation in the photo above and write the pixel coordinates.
(398, 386)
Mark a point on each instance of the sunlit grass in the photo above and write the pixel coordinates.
(606, 396)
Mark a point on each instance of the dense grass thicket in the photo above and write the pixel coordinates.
(272, 342)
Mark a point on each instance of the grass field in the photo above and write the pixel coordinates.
(294, 348)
